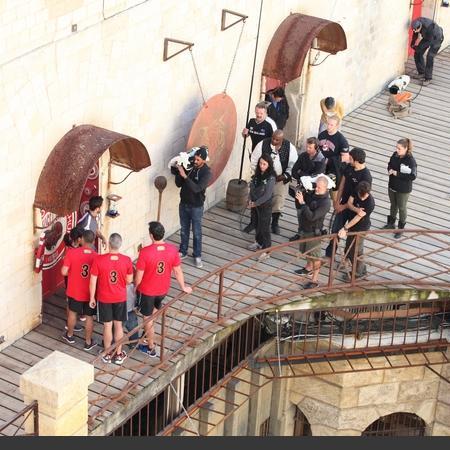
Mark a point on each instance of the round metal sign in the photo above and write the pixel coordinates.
(215, 127)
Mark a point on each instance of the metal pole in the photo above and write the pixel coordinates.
(159, 205)
(219, 302)
(163, 335)
(251, 90)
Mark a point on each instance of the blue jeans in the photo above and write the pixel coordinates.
(130, 324)
(191, 214)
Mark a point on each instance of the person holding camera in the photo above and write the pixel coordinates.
(260, 202)
(311, 162)
(402, 170)
(313, 210)
(360, 207)
(432, 38)
(284, 155)
(193, 184)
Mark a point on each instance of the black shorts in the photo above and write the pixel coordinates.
(146, 303)
(108, 312)
(81, 308)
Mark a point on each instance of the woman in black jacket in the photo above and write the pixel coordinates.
(260, 202)
(402, 170)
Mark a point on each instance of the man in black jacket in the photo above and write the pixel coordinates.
(313, 211)
(309, 163)
(192, 194)
(278, 109)
(432, 37)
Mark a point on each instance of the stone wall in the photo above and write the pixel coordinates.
(67, 62)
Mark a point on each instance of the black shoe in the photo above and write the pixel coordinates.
(310, 285)
(390, 225)
(68, 339)
(249, 228)
(398, 234)
(90, 346)
(296, 237)
(303, 271)
(76, 328)
(275, 227)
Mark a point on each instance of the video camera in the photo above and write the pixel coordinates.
(307, 184)
(184, 159)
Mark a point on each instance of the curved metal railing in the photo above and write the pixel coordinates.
(419, 259)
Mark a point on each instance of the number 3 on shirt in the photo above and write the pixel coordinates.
(160, 267)
(113, 276)
(85, 270)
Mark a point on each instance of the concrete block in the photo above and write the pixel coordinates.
(418, 390)
(378, 394)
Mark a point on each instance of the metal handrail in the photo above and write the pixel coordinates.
(390, 263)
(24, 414)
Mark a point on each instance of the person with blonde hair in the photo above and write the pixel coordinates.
(402, 170)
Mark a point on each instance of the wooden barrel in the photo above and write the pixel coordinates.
(237, 195)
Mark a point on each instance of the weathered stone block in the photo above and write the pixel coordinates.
(418, 390)
(378, 394)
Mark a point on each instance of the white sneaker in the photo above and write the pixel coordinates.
(253, 247)
(198, 262)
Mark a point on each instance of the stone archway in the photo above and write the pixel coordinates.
(396, 424)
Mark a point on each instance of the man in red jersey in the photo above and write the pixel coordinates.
(153, 272)
(76, 267)
(110, 274)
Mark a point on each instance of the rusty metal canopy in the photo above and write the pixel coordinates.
(64, 175)
(215, 127)
(292, 41)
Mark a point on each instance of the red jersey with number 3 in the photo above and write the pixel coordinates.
(111, 271)
(79, 261)
(157, 261)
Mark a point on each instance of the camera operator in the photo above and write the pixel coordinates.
(193, 184)
(313, 210)
(309, 163)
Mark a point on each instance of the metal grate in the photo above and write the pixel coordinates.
(302, 426)
(397, 424)
(264, 428)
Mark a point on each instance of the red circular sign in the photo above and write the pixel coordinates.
(215, 127)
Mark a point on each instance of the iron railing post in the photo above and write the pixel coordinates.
(355, 259)
(163, 335)
(333, 256)
(220, 296)
(36, 418)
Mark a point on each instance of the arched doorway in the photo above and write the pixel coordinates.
(285, 57)
(396, 424)
(69, 178)
(302, 426)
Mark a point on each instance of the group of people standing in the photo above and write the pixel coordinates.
(276, 165)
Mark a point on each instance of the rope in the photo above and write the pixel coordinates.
(234, 58)
(278, 343)
(184, 409)
(196, 75)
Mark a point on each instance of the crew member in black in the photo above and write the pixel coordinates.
(402, 170)
(278, 109)
(360, 207)
(334, 147)
(354, 172)
(313, 209)
(284, 155)
(260, 127)
(260, 202)
(432, 38)
(192, 197)
(311, 162)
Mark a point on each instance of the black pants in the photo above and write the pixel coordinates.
(263, 217)
(338, 223)
(355, 251)
(433, 47)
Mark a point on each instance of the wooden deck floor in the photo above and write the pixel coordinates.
(371, 127)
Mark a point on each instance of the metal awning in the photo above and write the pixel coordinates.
(64, 175)
(292, 41)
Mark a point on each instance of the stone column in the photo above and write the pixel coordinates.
(59, 383)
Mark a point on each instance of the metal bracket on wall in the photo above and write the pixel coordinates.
(224, 27)
(188, 46)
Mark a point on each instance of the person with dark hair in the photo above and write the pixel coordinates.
(402, 170)
(354, 172)
(154, 267)
(330, 107)
(432, 37)
(76, 267)
(360, 207)
(89, 220)
(260, 202)
(110, 274)
(313, 209)
(311, 162)
(278, 109)
(193, 184)
(284, 155)
(260, 127)
(334, 147)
